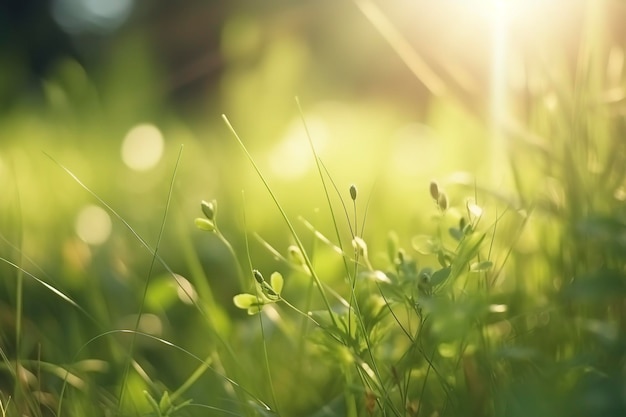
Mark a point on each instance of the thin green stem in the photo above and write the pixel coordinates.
(307, 260)
(200, 370)
(353, 303)
(147, 283)
(231, 250)
(266, 359)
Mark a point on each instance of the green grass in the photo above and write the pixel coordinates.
(489, 301)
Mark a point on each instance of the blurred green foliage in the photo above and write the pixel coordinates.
(505, 298)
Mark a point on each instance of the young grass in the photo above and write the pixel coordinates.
(353, 332)
(166, 406)
(513, 307)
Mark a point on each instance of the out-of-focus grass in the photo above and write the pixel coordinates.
(540, 332)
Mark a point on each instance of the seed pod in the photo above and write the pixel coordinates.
(353, 192)
(257, 276)
(442, 201)
(434, 190)
(295, 255)
(208, 208)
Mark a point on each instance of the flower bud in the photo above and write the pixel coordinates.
(209, 208)
(442, 201)
(434, 190)
(353, 192)
(295, 255)
(257, 276)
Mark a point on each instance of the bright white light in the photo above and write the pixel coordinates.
(93, 225)
(142, 147)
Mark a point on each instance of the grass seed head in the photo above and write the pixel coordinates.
(353, 192)
(209, 208)
(434, 190)
(258, 276)
(442, 201)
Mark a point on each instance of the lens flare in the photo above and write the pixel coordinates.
(142, 147)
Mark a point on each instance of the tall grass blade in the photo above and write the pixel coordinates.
(307, 260)
(147, 282)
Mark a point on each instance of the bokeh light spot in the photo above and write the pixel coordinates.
(150, 324)
(291, 158)
(100, 16)
(142, 147)
(93, 225)
(185, 290)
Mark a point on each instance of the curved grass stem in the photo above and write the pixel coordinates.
(307, 260)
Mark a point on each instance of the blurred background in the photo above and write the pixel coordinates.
(394, 93)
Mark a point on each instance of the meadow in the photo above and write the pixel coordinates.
(353, 220)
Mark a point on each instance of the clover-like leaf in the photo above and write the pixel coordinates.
(277, 281)
(245, 300)
(205, 224)
(426, 245)
(481, 266)
(250, 302)
(375, 275)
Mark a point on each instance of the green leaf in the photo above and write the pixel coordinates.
(255, 310)
(153, 403)
(376, 275)
(457, 234)
(277, 281)
(392, 246)
(245, 301)
(426, 245)
(205, 224)
(481, 266)
(440, 276)
(165, 404)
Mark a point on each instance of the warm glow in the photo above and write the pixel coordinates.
(142, 147)
(291, 157)
(93, 225)
(185, 290)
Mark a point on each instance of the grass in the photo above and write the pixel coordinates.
(510, 302)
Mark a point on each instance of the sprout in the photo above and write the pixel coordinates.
(205, 224)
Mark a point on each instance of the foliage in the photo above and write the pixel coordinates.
(459, 296)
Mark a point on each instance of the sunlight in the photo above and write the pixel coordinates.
(291, 158)
(93, 225)
(501, 13)
(142, 147)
